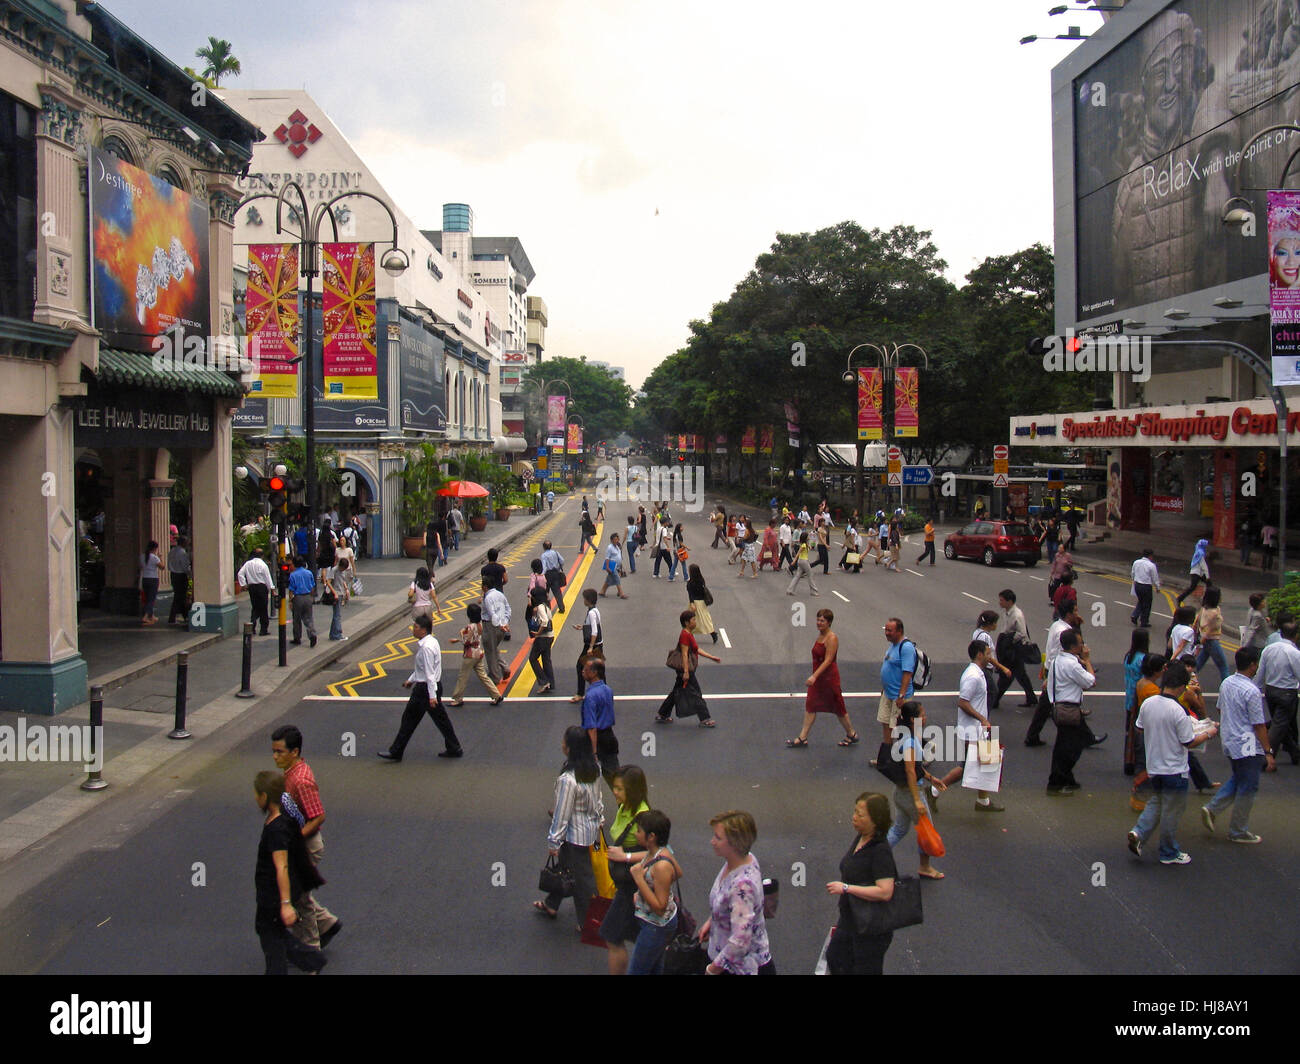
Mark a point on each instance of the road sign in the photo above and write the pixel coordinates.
(1001, 452)
(1055, 479)
(894, 467)
(895, 480)
(999, 480)
(894, 454)
(527, 477)
(917, 474)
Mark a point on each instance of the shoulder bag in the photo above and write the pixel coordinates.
(880, 917)
(1064, 714)
(674, 660)
(685, 954)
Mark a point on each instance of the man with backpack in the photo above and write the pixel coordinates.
(895, 676)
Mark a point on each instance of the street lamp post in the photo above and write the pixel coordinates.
(890, 358)
(394, 263)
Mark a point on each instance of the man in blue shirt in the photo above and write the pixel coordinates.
(598, 718)
(1244, 731)
(302, 541)
(895, 677)
(302, 585)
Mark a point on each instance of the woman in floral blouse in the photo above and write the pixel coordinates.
(735, 931)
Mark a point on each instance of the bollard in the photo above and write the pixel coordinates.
(182, 679)
(246, 672)
(284, 645)
(94, 779)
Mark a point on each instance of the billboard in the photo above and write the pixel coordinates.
(271, 309)
(149, 256)
(1284, 285)
(871, 396)
(1160, 124)
(422, 389)
(349, 355)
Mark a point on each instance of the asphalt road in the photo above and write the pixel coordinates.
(432, 864)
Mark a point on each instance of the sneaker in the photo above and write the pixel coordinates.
(1182, 858)
(1207, 818)
(1250, 838)
(1134, 844)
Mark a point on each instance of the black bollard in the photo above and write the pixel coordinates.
(246, 672)
(284, 644)
(182, 680)
(94, 778)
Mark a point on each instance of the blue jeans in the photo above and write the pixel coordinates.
(905, 813)
(1164, 809)
(631, 556)
(660, 555)
(651, 942)
(455, 539)
(1211, 648)
(1240, 792)
(336, 623)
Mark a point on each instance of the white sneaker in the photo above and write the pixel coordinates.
(1182, 858)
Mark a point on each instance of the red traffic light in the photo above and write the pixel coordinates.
(275, 484)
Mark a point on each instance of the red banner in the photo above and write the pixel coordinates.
(574, 444)
(906, 401)
(349, 357)
(271, 310)
(720, 444)
(765, 439)
(871, 395)
(747, 441)
(681, 442)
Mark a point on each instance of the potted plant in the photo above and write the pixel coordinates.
(421, 479)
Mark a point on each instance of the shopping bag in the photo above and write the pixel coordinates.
(853, 558)
(978, 776)
(989, 751)
(600, 867)
(928, 837)
(597, 909)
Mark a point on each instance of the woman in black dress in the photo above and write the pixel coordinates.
(867, 871)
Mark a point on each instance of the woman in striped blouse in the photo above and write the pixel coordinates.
(575, 821)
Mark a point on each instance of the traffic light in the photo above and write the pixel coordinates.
(283, 582)
(276, 496)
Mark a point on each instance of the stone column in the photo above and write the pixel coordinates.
(212, 492)
(62, 291)
(160, 502)
(42, 670)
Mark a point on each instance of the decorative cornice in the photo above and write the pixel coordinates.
(222, 207)
(61, 120)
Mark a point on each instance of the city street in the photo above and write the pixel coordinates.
(432, 864)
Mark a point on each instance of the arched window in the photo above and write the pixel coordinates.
(115, 145)
(171, 177)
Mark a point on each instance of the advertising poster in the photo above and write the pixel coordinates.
(765, 439)
(349, 355)
(1162, 125)
(149, 255)
(422, 388)
(907, 382)
(681, 442)
(1284, 284)
(271, 308)
(870, 400)
(720, 444)
(574, 443)
(747, 441)
(555, 414)
(792, 424)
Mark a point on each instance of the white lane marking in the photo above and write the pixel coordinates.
(1166, 616)
(839, 596)
(1118, 603)
(914, 572)
(975, 597)
(1091, 595)
(1033, 577)
(801, 695)
(725, 641)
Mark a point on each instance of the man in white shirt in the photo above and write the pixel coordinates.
(1279, 679)
(785, 537)
(1013, 634)
(455, 522)
(1169, 733)
(496, 623)
(254, 576)
(973, 721)
(553, 571)
(1245, 745)
(664, 550)
(1070, 674)
(1146, 579)
(425, 683)
(1072, 621)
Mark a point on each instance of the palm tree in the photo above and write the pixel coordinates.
(218, 59)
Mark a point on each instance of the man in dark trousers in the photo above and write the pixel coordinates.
(598, 718)
(425, 683)
(255, 577)
(283, 871)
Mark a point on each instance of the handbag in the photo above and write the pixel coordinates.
(1030, 654)
(600, 867)
(597, 910)
(674, 660)
(928, 837)
(618, 870)
(356, 585)
(1064, 714)
(880, 917)
(685, 954)
(683, 554)
(889, 766)
(328, 598)
(853, 558)
(555, 879)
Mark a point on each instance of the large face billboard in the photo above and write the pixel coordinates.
(1160, 124)
(149, 255)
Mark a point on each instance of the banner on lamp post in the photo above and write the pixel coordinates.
(765, 439)
(349, 357)
(271, 311)
(1284, 285)
(574, 443)
(747, 441)
(906, 401)
(870, 399)
(720, 444)
(555, 414)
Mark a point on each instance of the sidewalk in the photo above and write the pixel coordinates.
(136, 666)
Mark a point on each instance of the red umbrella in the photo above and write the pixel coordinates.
(463, 489)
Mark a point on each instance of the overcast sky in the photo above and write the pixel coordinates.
(645, 154)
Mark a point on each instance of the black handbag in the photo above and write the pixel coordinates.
(685, 954)
(555, 879)
(889, 766)
(618, 870)
(881, 917)
(1030, 654)
(328, 598)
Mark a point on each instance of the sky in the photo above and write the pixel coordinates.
(646, 154)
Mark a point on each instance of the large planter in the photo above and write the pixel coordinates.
(478, 522)
(413, 546)
(503, 513)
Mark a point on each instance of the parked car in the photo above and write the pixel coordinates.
(994, 542)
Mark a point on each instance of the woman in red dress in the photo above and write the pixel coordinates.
(824, 694)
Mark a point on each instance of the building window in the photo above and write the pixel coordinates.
(17, 208)
(115, 145)
(172, 178)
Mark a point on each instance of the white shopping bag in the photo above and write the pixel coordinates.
(982, 777)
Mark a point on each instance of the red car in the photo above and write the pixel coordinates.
(994, 541)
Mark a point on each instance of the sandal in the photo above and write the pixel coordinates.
(663, 720)
(541, 908)
(850, 740)
(461, 702)
(710, 723)
(931, 874)
(798, 740)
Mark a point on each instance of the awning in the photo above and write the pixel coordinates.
(140, 371)
(521, 467)
(509, 444)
